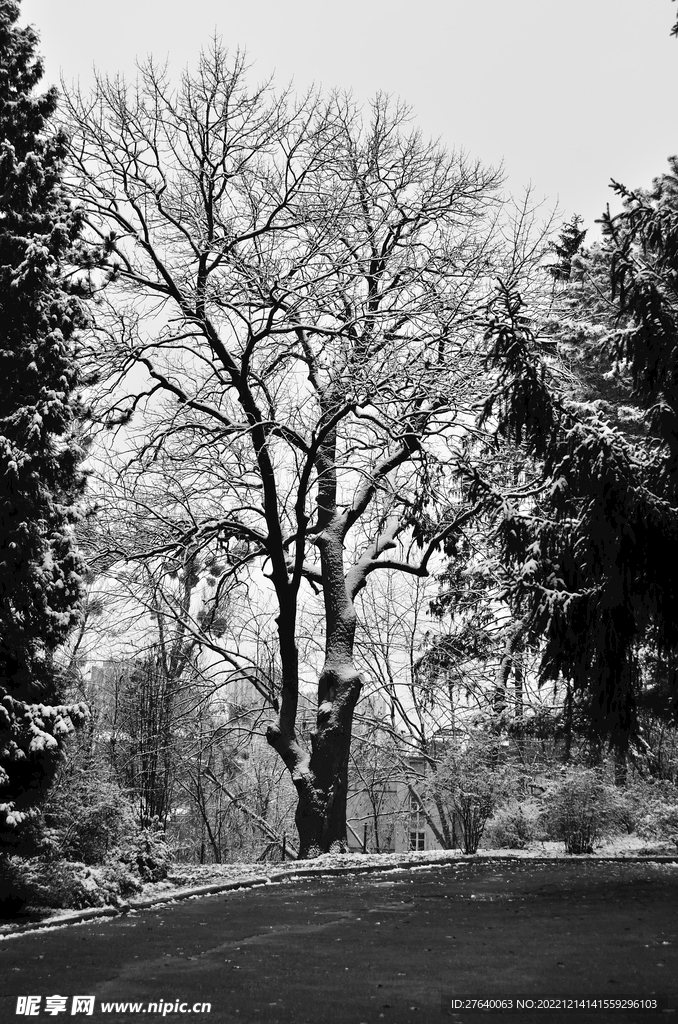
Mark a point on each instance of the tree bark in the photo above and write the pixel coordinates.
(321, 776)
(323, 788)
(321, 779)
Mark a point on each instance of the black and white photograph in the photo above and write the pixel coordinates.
(339, 511)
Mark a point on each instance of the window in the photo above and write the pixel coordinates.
(417, 825)
(417, 840)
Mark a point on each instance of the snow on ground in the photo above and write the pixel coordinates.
(185, 877)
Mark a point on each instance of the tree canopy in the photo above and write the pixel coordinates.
(290, 298)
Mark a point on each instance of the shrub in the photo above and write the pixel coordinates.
(648, 807)
(37, 882)
(512, 828)
(148, 855)
(625, 812)
(660, 821)
(580, 809)
(85, 816)
(11, 895)
(44, 881)
(119, 879)
(667, 822)
(472, 779)
(473, 810)
(88, 832)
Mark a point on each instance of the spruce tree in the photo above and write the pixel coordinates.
(644, 272)
(591, 556)
(39, 475)
(569, 243)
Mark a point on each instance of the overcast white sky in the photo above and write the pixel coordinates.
(568, 93)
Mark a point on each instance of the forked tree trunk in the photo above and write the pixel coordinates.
(320, 775)
(322, 787)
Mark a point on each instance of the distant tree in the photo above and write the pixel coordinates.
(479, 634)
(571, 239)
(40, 480)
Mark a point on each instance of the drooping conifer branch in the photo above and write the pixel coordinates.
(583, 556)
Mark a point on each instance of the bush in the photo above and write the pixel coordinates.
(580, 809)
(148, 855)
(512, 828)
(625, 812)
(119, 879)
(84, 848)
(88, 832)
(646, 806)
(472, 780)
(667, 822)
(71, 885)
(660, 821)
(85, 816)
(473, 809)
(37, 882)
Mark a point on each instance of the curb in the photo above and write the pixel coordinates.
(92, 913)
(472, 858)
(201, 890)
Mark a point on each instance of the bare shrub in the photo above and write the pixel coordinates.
(472, 778)
(579, 809)
(513, 827)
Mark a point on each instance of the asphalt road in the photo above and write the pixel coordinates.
(378, 949)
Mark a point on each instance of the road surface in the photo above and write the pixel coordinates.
(379, 949)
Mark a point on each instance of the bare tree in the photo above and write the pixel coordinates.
(289, 294)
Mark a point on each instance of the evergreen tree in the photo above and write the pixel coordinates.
(644, 272)
(39, 476)
(568, 245)
(592, 572)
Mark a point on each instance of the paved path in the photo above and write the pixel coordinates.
(372, 948)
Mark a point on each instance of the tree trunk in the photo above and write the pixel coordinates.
(567, 726)
(519, 685)
(321, 780)
(321, 777)
(519, 715)
(375, 819)
(323, 787)
(621, 768)
(444, 823)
